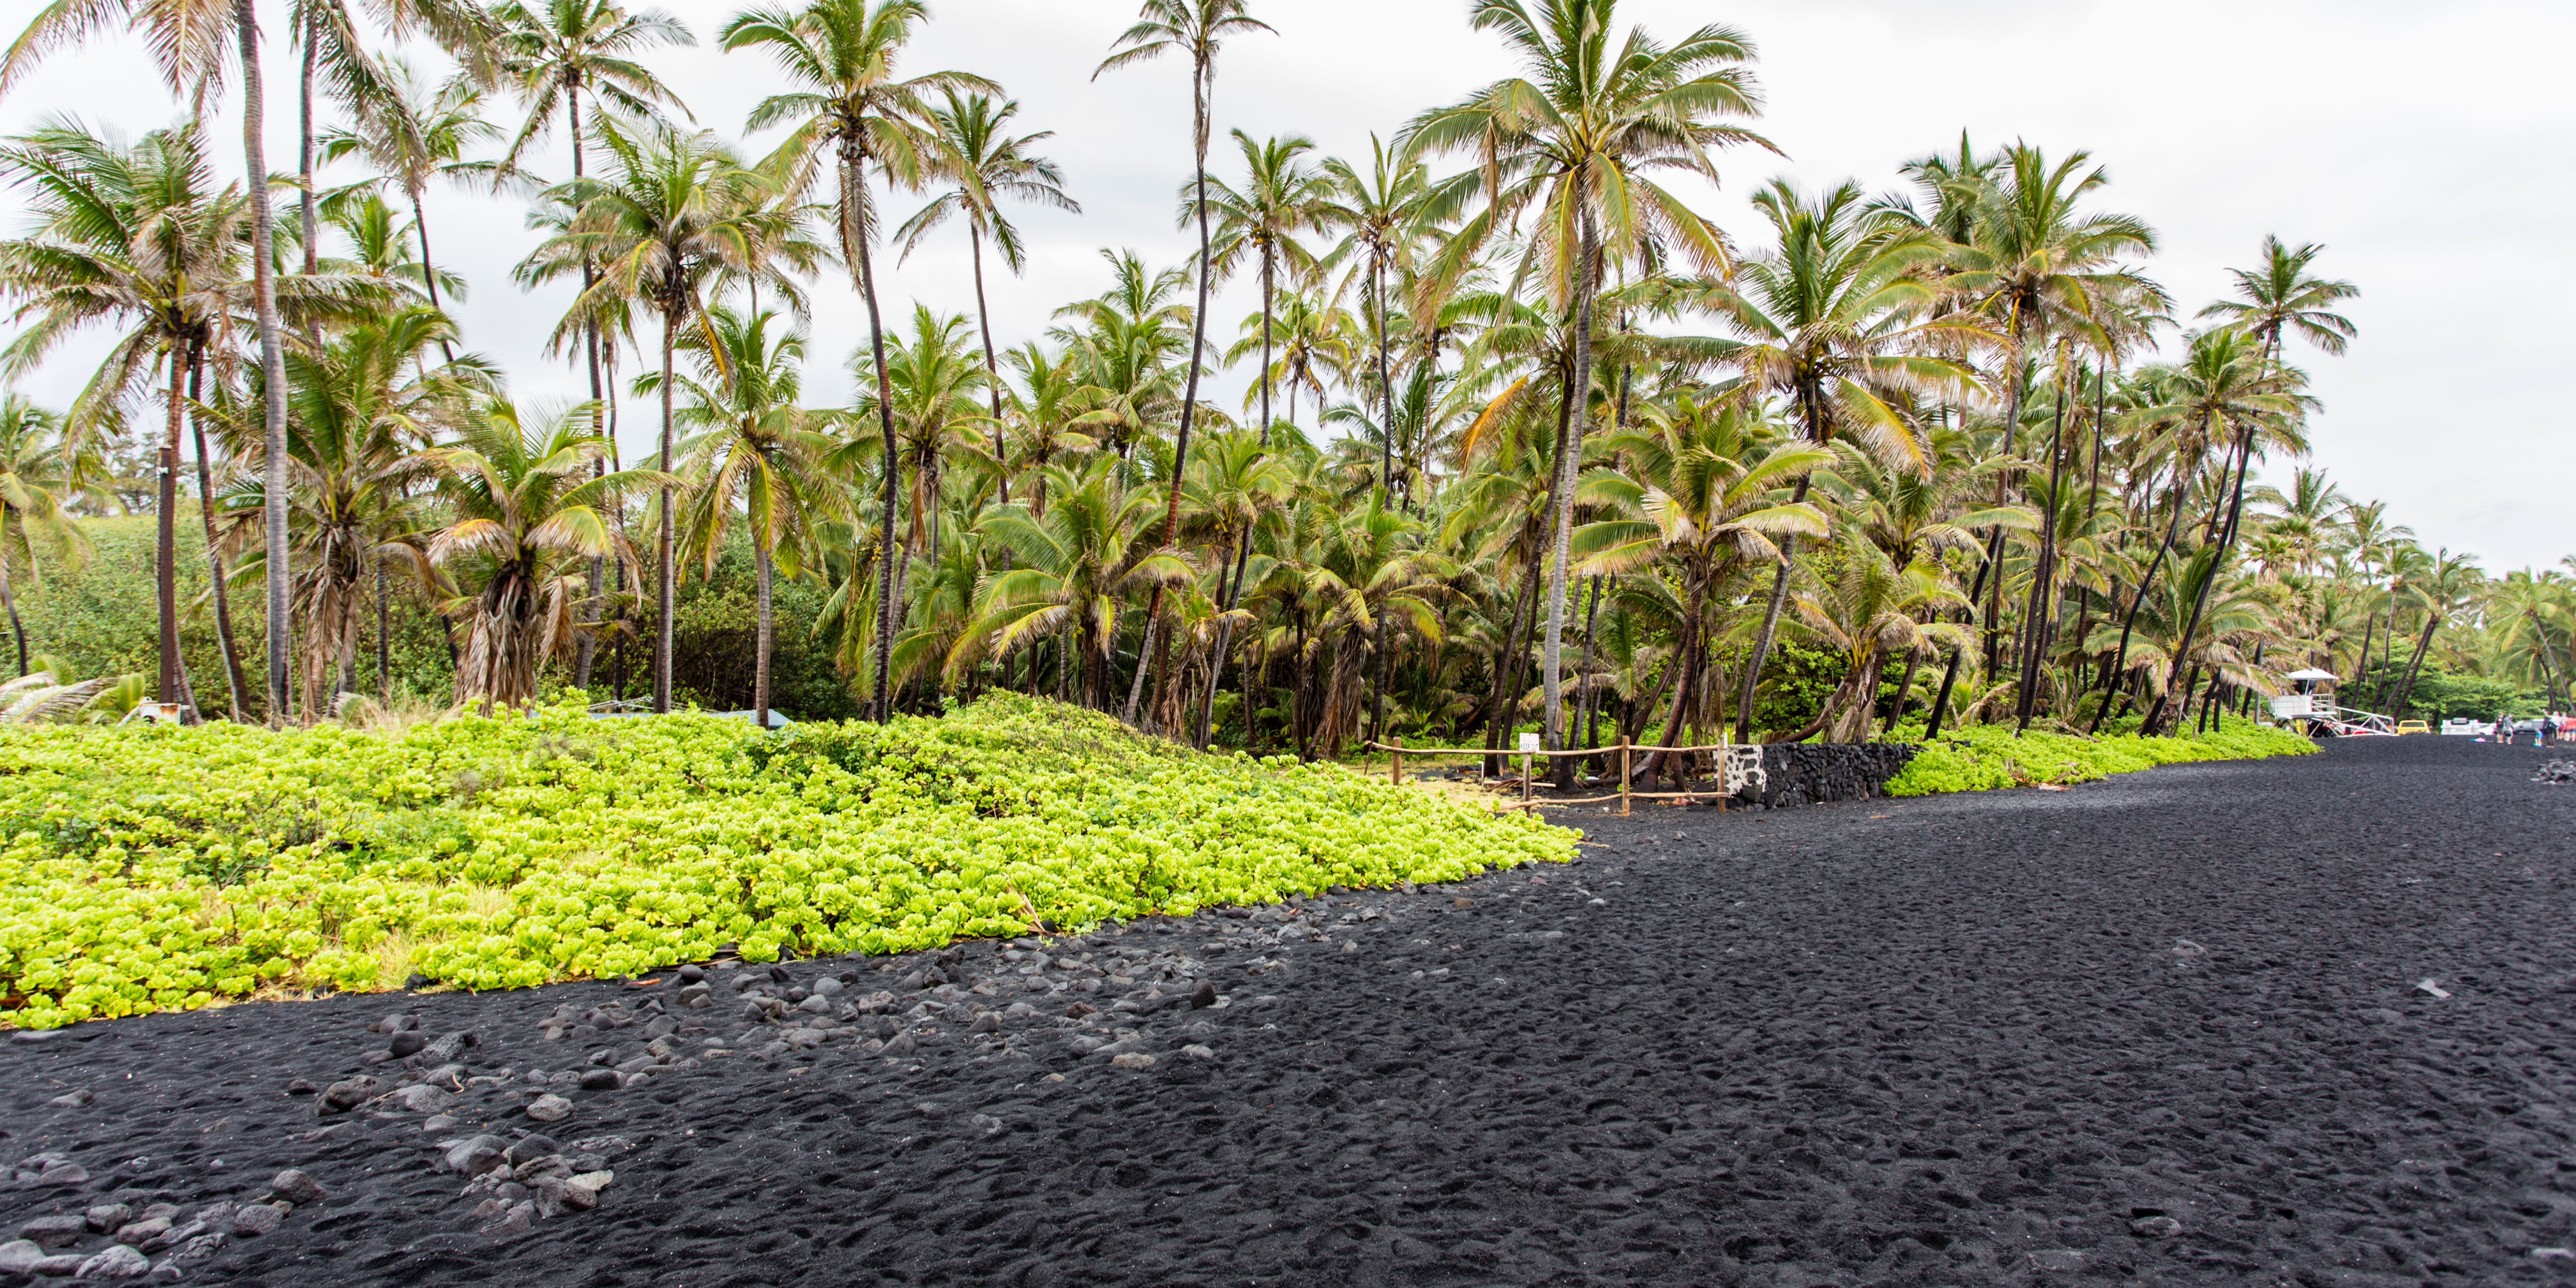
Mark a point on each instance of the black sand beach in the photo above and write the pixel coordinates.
(2297, 1022)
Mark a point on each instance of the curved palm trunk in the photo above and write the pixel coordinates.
(214, 559)
(1569, 466)
(1268, 255)
(272, 355)
(9, 600)
(2199, 602)
(992, 373)
(2044, 578)
(1386, 387)
(854, 247)
(588, 649)
(429, 270)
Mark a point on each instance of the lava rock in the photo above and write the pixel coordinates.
(531, 1147)
(1132, 1060)
(476, 1155)
(549, 1108)
(108, 1216)
(407, 1044)
(117, 1262)
(20, 1256)
(139, 1233)
(348, 1093)
(55, 1231)
(295, 1187)
(692, 973)
(601, 1080)
(78, 1099)
(1205, 996)
(255, 1219)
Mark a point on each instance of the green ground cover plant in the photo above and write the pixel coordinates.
(153, 869)
(1981, 757)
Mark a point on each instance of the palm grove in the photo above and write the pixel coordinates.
(1527, 439)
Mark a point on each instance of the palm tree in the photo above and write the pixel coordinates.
(1576, 140)
(38, 470)
(328, 33)
(2448, 585)
(187, 39)
(1832, 320)
(1867, 615)
(1196, 29)
(1280, 198)
(934, 380)
(1383, 214)
(524, 521)
(413, 136)
(362, 403)
(2281, 297)
(973, 151)
(850, 111)
(1073, 568)
(757, 447)
(1698, 497)
(676, 211)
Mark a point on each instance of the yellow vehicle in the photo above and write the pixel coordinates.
(2413, 726)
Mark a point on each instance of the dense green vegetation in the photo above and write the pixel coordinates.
(1983, 757)
(149, 869)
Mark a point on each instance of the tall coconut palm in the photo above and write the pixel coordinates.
(2280, 297)
(1383, 218)
(525, 518)
(556, 52)
(39, 471)
(333, 46)
(1697, 496)
(674, 212)
(1869, 613)
(974, 152)
(756, 447)
(1833, 321)
(1576, 140)
(934, 379)
(417, 134)
(1281, 197)
(850, 111)
(187, 39)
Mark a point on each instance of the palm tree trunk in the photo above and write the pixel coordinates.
(664, 636)
(2146, 581)
(1199, 90)
(214, 560)
(760, 660)
(1770, 628)
(992, 373)
(1386, 385)
(2199, 602)
(384, 654)
(589, 647)
(854, 248)
(2043, 580)
(428, 270)
(1268, 255)
(165, 558)
(1589, 704)
(1504, 709)
(2414, 663)
(9, 599)
(309, 211)
(1569, 467)
(272, 355)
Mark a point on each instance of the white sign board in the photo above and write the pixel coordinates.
(1529, 742)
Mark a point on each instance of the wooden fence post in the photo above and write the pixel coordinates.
(1395, 766)
(1623, 778)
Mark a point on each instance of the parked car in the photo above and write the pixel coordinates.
(2413, 726)
(2463, 727)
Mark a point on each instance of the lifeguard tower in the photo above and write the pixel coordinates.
(2311, 700)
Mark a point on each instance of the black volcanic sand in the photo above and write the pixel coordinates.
(2163, 1028)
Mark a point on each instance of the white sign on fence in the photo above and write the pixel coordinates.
(1529, 742)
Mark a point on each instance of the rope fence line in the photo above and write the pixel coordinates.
(1625, 750)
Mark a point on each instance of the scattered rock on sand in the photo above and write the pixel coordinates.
(54, 1231)
(19, 1256)
(1132, 1060)
(115, 1262)
(2155, 1227)
(295, 1187)
(549, 1108)
(256, 1219)
(79, 1099)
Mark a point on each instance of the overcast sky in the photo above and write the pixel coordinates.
(2426, 146)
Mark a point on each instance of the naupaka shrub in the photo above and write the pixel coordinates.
(152, 869)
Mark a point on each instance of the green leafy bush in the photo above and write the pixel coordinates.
(150, 869)
(1982, 757)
